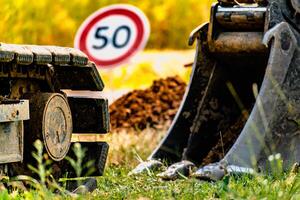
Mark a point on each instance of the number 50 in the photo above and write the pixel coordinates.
(99, 35)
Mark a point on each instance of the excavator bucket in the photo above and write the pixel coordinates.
(245, 86)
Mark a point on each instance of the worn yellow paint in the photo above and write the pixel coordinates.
(86, 137)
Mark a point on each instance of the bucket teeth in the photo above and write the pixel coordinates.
(216, 171)
(212, 172)
(177, 170)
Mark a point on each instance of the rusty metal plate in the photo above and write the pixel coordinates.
(11, 140)
(10, 112)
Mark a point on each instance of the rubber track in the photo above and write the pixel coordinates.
(42, 55)
(61, 67)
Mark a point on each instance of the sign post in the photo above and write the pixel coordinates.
(113, 34)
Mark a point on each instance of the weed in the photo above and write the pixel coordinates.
(78, 164)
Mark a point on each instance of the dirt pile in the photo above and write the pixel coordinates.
(150, 107)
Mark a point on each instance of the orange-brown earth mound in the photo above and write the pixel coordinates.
(150, 107)
(158, 105)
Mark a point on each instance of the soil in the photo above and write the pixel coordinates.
(225, 142)
(157, 106)
(151, 107)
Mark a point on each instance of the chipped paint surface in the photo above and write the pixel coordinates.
(12, 115)
(12, 112)
(11, 140)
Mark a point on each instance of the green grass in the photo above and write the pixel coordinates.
(115, 184)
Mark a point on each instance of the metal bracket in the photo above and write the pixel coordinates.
(11, 130)
(195, 33)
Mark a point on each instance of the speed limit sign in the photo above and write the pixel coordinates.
(113, 34)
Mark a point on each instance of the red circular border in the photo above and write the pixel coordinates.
(116, 11)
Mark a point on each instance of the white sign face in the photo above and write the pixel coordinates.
(113, 34)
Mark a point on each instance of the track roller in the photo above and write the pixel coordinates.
(51, 120)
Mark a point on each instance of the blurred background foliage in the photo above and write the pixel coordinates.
(56, 22)
(51, 22)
